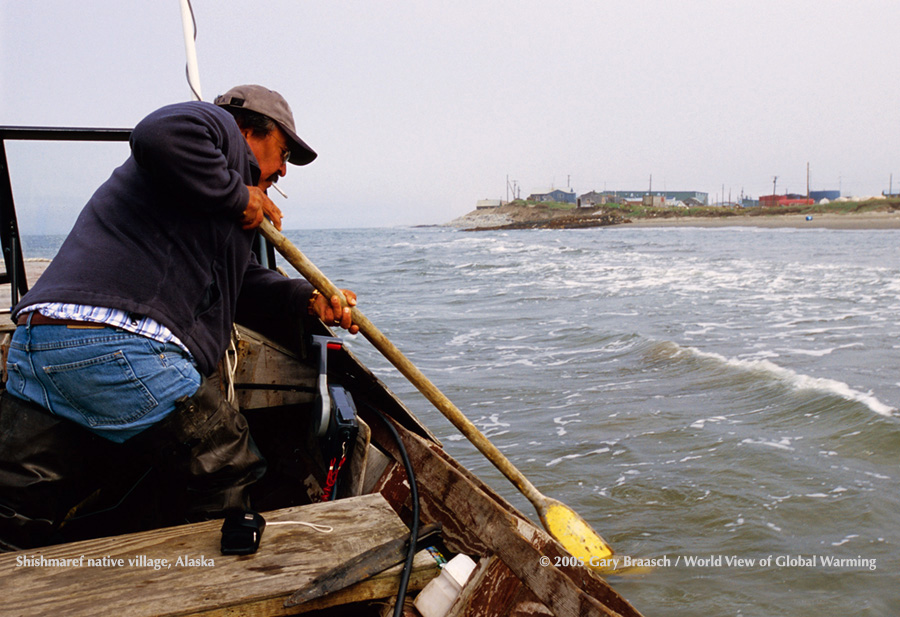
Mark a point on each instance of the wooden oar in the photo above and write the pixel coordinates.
(559, 520)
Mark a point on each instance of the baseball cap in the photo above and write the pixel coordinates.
(271, 104)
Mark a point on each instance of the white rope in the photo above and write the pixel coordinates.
(319, 528)
(231, 366)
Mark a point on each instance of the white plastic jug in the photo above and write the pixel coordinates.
(439, 594)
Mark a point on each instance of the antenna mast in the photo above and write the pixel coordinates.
(189, 25)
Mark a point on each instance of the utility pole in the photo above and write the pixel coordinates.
(774, 184)
(807, 179)
(514, 185)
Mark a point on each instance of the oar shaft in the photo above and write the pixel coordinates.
(309, 271)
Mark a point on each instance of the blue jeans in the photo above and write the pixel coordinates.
(113, 382)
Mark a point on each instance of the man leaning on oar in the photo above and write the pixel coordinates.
(117, 344)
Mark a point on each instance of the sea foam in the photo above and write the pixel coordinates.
(799, 381)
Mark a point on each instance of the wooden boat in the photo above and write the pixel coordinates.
(316, 557)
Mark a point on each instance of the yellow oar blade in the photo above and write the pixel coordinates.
(584, 543)
(574, 533)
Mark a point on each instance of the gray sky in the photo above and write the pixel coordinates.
(418, 109)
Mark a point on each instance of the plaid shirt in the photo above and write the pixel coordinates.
(143, 326)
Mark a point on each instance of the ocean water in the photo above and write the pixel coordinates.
(724, 401)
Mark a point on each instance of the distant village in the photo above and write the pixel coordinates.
(683, 199)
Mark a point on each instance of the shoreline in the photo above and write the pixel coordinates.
(850, 216)
(866, 221)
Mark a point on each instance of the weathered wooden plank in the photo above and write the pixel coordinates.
(262, 362)
(355, 474)
(377, 559)
(460, 538)
(381, 586)
(489, 591)
(376, 464)
(394, 485)
(529, 608)
(494, 591)
(290, 556)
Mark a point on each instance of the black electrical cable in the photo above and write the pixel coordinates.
(414, 530)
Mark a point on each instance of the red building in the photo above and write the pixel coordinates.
(770, 201)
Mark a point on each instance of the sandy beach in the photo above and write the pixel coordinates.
(513, 216)
(869, 220)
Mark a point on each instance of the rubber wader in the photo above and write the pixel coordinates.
(49, 465)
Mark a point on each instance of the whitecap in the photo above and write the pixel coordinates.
(566, 457)
(702, 423)
(845, 540)
(814, 353)
(781, 444)
(800, 381)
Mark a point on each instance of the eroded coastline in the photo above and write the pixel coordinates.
(508, 217)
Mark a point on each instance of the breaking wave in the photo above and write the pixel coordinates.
(785, 376)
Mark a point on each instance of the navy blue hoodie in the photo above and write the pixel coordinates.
(162, 237)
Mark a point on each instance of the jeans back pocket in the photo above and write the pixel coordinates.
(105, 390)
